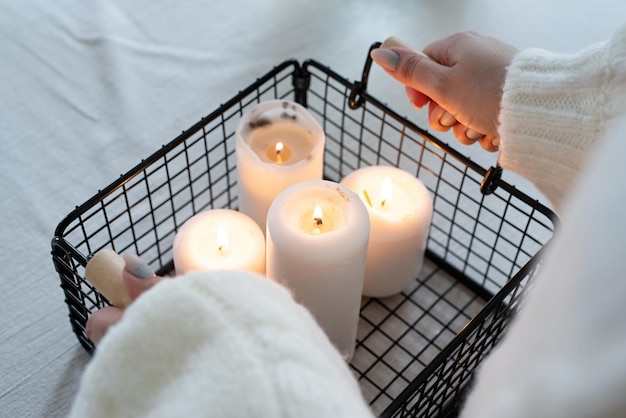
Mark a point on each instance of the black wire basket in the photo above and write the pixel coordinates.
(416, 352)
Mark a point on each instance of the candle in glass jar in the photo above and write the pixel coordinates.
(219, 239)
(400, 210)
(278, 143)
(317, 234)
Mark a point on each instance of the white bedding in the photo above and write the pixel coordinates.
(89, 88)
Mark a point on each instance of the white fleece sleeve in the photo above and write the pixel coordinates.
(224, 344)
(564, 355)
(555, 109)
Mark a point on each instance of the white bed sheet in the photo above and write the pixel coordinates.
(89, 88)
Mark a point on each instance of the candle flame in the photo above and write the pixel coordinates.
(279, 147)
(318, 215)
(222, 239)
(386, 191)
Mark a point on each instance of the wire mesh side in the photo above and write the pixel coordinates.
(441, 389)
(399, 336)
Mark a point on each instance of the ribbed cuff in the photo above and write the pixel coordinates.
(553, 112)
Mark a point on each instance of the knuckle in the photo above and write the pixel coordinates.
(413, 69)
(410, 66)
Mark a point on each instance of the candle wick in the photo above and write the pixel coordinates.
(279, 157)
(278, 148)
(318, 221)
(385, 191)
(367, 197)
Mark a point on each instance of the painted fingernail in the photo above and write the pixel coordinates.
(447, 120)
(472, 134)
(137, 267)
(386, 58)
(393, 41)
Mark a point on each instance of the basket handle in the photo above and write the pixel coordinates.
(355, 99)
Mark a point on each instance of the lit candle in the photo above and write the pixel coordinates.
(400, 210)
(278, 143)
(219, 239)
(317, 234)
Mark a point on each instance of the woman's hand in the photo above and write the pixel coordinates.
(138, 277)
(460, 77)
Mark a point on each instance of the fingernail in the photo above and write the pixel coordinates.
(393, 41)
(472, 134)
(386, 58)
(137, 267)
(495, 142)
(447, 120)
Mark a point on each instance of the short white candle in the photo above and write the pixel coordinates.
(278, 143)
(400, 209)
(317, 234)
(219, 239)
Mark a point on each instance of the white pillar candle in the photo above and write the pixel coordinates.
(400, 210)
(219, 239)
(278, 143)
(317, 234)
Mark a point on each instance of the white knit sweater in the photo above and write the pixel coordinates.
(226, 344)
(564, 128)
(556, 108)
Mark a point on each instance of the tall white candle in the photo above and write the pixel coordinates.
(219, 239)
(400, 209)
(317, 234)
(278, 143)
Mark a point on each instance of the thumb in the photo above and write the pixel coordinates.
(138, 276)
(412, 68)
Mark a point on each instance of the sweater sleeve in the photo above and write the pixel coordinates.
(554, 110)
(564, 355)
(223, 344)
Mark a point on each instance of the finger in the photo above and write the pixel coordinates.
(465, 135)
(490, 143)
(138, 276)
(413, 69)
(418, 99)
(100, 321)
(439, 119)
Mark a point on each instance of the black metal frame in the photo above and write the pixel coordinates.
(416, 352)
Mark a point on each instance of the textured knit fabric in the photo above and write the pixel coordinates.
(556, 108)
(218, 345)
(565, 353)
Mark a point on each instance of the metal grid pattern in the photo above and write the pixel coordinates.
(399, 336)
(477, 243)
